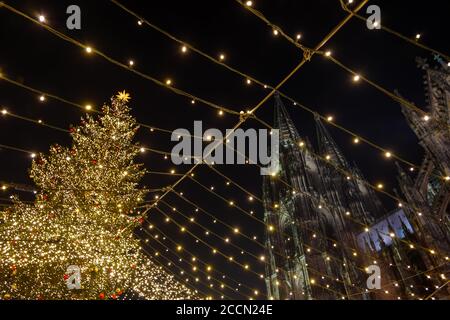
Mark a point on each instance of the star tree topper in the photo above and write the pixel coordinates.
(124, 96)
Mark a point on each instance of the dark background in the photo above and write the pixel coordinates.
(31, 55)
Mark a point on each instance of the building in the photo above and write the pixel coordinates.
(326, 225)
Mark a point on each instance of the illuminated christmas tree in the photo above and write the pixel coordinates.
(76, 241)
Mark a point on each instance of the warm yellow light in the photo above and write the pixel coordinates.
(328, 53)
(426, 118)
(250, 198)
(88, 49)
(140, 22)
(42, 98)
(380, 186)
(184, 49)
(388, 154)
(418, 36)
(222, 57)
(328, 157)
(447, 178)
(275, 32)
(298, 36)
(88, 107)
(131, 63)
(42, 18)
(356, 78)
(168, 82)
(271, 228)
(4, 111)
(249, 82)
(249, 3)
(330, 118)
(33, 155)
(179, 248)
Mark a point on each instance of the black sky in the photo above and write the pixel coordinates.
(32, 55)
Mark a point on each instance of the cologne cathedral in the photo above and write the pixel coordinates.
(327, 225)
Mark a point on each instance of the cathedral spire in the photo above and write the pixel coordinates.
(327, 145)
(283, 122)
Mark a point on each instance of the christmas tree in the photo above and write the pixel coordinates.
(76, 240)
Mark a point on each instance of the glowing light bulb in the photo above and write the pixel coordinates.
(356, 78)
(380, 186)
(298, 36)
(328, 54)
(140, 22)
(33, 155)
(388, 154)
(88, 49)
(4, 111)
(184, 49)
(88, 107)
(168, 82)
(418, 36)
(330, 118)
(131, 63)
(42, 18)
(275, 32)
(249, 3)
(249, 82)
(222, 57)
(42, 98)
(426, 118)
(236, 230)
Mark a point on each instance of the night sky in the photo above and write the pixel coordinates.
(31, 55)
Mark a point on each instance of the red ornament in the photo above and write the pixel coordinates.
(133, 266)
(141, 220)
(44, 197)
(114, 296)
(101, 296)
(94, 162)
(13, 267)
(72, 129)
(66, 276)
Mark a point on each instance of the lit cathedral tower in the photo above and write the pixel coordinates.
(306, 238)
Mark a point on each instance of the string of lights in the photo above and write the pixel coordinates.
(89, 50)
(414, 41)
(335, 242)
(171, 262)
(327, 287)
(208, 267)
(356, 76)
(173, 173)
(249, 79)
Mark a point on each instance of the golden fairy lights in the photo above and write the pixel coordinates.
(248, 1)
(108, 270)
